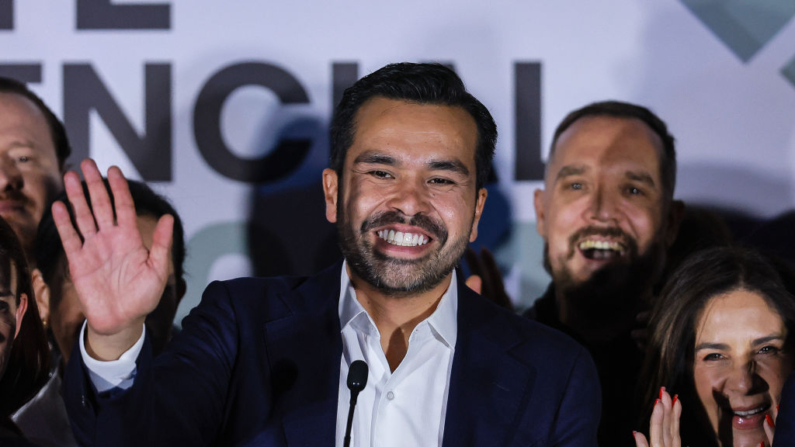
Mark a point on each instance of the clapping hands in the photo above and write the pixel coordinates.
(664, 423)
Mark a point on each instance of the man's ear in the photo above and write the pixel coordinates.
(42, 292)
(676, 213)
(330, 188)
(541, 222)
(481, 202)
(21, 309)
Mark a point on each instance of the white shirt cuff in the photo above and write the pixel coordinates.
(115, 373)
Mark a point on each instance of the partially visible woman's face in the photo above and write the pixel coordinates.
(739, 365)
(11, 312)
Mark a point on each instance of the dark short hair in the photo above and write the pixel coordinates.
(670, 354)
(416, 83)
(618, 109)
(49, 251)
(57, 129)
(29, 362)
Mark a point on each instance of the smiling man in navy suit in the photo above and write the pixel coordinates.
(264, 361)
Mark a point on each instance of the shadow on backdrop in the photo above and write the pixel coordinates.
(287, 230)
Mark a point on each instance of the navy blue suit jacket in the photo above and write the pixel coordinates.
(785, 423)
(258, 362)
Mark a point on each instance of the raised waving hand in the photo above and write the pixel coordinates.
(118, 281)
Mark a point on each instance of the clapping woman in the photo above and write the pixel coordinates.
(720, 349)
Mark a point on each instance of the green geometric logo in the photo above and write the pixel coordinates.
(746, 26)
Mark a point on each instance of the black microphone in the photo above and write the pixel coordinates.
(357, 379)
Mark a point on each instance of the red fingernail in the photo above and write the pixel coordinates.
(762, 444)
(656, 402)
(662, 388)
(770, 421)
(676, 397)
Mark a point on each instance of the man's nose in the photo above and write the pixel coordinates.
(410, 198)
(603, 206)
(10, 175)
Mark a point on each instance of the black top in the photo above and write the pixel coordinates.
(11, 436)
(618, 363)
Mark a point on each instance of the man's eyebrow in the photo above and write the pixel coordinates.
(642, 177)
(21, 143)
(449, 165)
(570, 170)
(718, 346)
(369, 157)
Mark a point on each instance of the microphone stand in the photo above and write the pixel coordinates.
(357, 379)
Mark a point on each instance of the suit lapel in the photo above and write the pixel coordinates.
(488, 386)
(304, 351)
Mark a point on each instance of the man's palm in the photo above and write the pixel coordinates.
(118, 281)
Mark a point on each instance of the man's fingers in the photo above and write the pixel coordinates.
(640, 336)
(640, 440)
(125, 207)
(473, 261)
(497, 285)
(477, 268)
(495, 274)
(69, 238)
(83, 216)
(100, 200)
(475, 283)
(160, 252)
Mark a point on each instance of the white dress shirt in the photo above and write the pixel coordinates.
(400, 408)
(407, 406)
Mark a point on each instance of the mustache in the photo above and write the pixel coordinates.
(15, 196)
(431, 226)
(612, 232)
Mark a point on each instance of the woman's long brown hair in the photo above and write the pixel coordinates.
(29, 364)
(672, 333)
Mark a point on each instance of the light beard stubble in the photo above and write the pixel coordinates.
(398, 277)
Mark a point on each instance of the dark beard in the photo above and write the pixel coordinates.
(616, 288)
(396, 277)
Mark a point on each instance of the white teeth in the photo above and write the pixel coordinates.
(601, 245)
(404, 239)
(750, 412)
